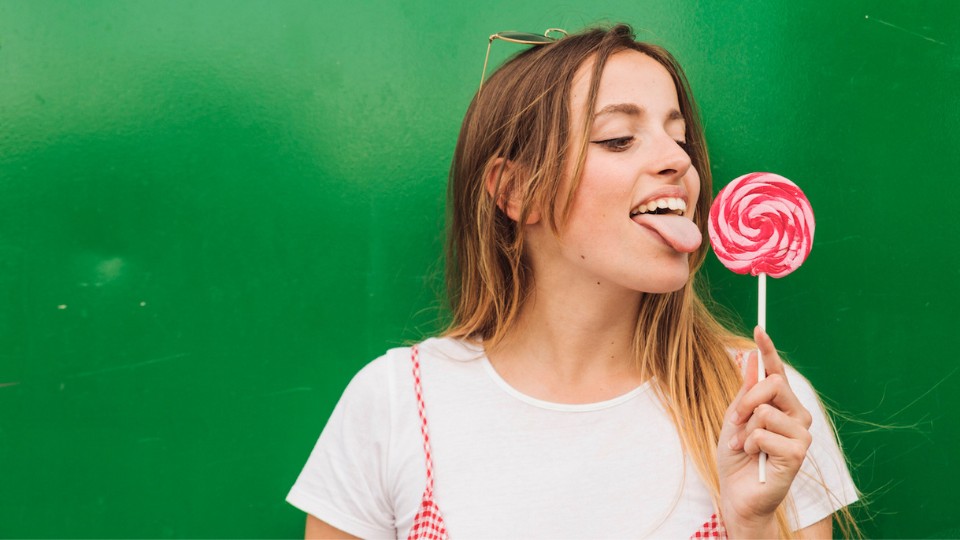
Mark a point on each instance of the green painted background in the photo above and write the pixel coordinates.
(213, 213)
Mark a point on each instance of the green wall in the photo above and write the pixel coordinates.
(213, 213)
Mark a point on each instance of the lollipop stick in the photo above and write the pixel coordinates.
(761, 372)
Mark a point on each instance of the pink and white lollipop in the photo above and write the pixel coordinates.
(761, 223)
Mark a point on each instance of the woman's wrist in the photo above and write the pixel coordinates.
(741, 528)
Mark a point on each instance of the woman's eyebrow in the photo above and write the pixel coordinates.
(622, 108)
(632, 109)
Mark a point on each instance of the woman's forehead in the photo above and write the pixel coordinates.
(631, 82)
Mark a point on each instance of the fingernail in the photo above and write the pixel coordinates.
(733, 443)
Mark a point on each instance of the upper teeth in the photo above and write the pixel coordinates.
(678, 206)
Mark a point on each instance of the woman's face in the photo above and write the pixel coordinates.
(630, 223)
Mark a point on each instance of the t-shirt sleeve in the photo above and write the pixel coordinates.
(823, 485)
(344, 480)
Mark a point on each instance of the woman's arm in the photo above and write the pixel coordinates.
(319, 530)
(820, 529)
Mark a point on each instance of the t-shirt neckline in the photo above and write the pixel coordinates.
(551, 405)
(474, 351)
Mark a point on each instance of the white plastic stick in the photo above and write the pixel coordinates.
(761, 372)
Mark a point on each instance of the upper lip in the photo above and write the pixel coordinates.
(669, 192)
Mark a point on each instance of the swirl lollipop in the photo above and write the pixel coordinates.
(761, 223)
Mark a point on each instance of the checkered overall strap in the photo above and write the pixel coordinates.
(713, 528)
(428, 523)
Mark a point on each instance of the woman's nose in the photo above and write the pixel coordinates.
(674, 160)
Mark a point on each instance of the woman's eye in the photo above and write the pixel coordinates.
(618, 144)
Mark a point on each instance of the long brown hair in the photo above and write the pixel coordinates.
(523, 114)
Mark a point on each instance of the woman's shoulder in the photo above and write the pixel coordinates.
(395, 366)
(451, 350)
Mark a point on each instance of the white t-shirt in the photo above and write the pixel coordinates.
(507, 465)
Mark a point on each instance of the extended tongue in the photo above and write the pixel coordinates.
(680, 232)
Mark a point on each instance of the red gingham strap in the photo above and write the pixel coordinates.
(428, 523)
(414, 357)
(713, 528)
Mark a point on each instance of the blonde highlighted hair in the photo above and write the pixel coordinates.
(523, 114)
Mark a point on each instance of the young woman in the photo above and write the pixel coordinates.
(582, 389)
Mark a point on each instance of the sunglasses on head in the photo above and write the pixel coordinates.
(523, 38)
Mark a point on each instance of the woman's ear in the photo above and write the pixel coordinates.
(502, 174)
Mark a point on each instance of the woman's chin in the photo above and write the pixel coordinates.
(668, 284)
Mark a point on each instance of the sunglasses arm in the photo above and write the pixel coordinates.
(485, 59)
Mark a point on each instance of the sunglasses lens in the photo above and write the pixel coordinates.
(523, 37)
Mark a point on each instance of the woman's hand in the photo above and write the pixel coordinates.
(765, 416)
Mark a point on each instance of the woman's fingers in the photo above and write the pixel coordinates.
(749, 369)
(776, 391)
(771, 419)
(777, 446)
(771, 358)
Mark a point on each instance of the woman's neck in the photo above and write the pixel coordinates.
(571, 346)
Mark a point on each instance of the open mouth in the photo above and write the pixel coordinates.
(667, 205)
